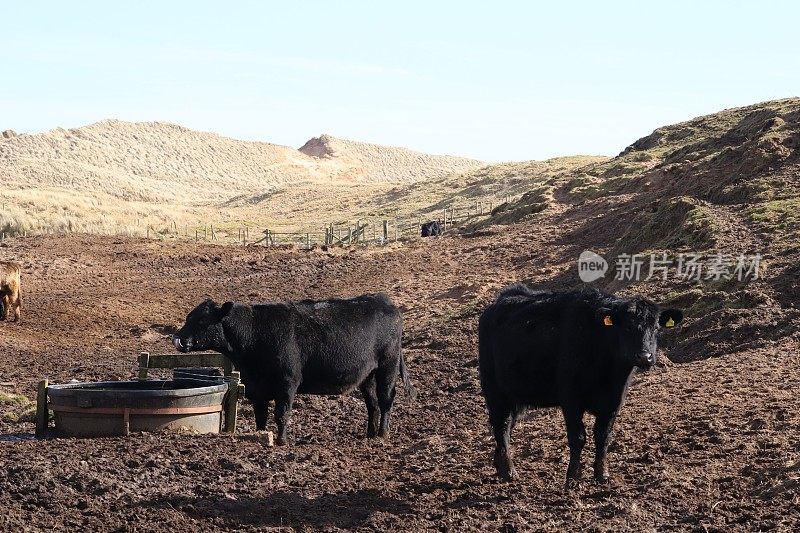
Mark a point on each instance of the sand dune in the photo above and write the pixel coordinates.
(165, 163)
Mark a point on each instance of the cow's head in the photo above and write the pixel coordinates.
(203, 328)
(630, 327)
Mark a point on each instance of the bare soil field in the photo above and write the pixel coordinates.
(709, 443)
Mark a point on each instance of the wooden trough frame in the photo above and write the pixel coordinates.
(230, 402)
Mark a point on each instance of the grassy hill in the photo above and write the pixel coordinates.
(725, 183)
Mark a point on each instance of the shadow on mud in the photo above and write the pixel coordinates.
(16, 437)
(283, 509)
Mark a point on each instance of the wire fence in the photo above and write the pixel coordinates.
(368, 230)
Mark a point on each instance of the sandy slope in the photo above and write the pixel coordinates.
(160, 162)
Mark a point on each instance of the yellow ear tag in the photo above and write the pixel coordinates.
(607, 320)
(670, 323)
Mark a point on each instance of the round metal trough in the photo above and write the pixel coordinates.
(117, 408)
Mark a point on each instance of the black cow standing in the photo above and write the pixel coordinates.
(307, 347)
(429, 229)
(573, 350)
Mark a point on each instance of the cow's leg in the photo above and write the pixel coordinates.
(283, 410)
(6, 307)
(17, 305)
(385, 384)
(502, 419)
(576, 436)
(261, 410)
(602, 437)
(368, 390)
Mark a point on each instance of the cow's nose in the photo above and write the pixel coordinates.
(646, 359)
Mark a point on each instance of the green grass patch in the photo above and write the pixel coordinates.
(19, 408)
(777, 215)
(675, 224)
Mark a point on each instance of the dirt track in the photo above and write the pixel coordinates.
(707, 445)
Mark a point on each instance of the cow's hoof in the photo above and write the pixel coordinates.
(505, 468)
(602, 477)
(572, 483)
(281, 441)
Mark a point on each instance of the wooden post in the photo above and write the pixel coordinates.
(308, 241)
(395, 230)
(196, 235)
(444, 221)
(385, 230)
(213, 235)
(144, 364)
(42, 414)
(205, 233)
(148, 231)
(232, 401)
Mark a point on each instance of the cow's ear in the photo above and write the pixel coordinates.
(225, 310)
(603, 316)
(669, 318)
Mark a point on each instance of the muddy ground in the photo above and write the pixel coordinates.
(710, 444)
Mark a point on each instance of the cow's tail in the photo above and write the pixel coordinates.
(410, 389)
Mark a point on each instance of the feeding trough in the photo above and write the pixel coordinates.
(117, 408)
(197, 400)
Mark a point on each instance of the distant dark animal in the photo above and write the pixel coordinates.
(10, 285)
(429, 229)
(573, 350)
(307, 347)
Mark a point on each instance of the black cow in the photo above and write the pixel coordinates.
(429, 229)
(307, 347)
(573, 350)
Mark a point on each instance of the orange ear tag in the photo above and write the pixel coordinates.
(607, 321)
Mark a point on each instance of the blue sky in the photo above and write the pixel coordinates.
(490, 80)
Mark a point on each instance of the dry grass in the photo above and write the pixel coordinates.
(117, 177)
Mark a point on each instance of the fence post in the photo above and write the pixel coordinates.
(42, 414)
(232, 402)
(385, 230)
(144, 364)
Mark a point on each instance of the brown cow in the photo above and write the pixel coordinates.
(10, 290)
